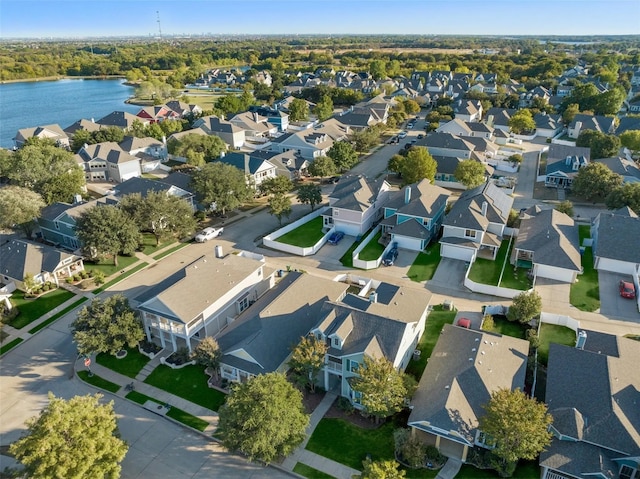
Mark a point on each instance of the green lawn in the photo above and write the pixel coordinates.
(551, 333)
(107, 266)
(354, 444)
(32, 309)
(305, 235)
(310, 472)
(187, 419)
(10, 345)
(57, 316)
(373, 250)
(130, 365)
(525, 470)
(509, 328)
(435, 322)
(486, 271)
(149, 244)
(99, 382)
(119, 278)
(585, 292)
(425, 265)
(140, 398)
(170, 250)
(189, 383)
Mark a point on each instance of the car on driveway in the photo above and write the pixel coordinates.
(208, 234)
(391, 256)
(627, 289)
(335, 237)
(464, 323)
(402, 135)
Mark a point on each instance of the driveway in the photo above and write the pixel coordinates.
(611, 303)
(450, 274)
(554, 294)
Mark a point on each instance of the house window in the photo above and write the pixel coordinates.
(57, 225)
(356, 397)
(627, 472)
(336, 341)
(243, 303)
(470, 233)
(354, 366)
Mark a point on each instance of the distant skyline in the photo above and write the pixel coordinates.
(105, 18)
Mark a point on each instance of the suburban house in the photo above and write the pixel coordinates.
(460, 127)
(582, 122)
(413, 215)
(46, 263)
(260, 340)
(527, 98)
(476, 223)
(355, 204)
(548, 126)
(446, 144)
(309, 144)
(289, 164)
(445, 172)
(255, 168)
(231, 134)
(144, 147)
(614, 234)
(627, 123)
(57, 221)
(143, 186)
(276, 117)
(563, 163)
(548, 243)
(382, 321)
(157, 113)
(50, 132)
(203, 298)
(468, 110)
(622, 166)
(121, 119)
(107, 161)
(466, 366)
(88, 125)
(183, 109)
(498, 118)
(255, 126)
(592, 394)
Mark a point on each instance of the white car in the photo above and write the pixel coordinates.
(402, 135)
(208, 233)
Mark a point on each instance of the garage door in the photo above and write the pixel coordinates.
(456, 252)
(559, 274)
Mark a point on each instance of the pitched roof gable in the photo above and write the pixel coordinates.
(467, 211)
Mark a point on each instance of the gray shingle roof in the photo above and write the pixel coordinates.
(17, 258)
(449, 141)
(425, 200)
(613, 231)
(465, 367)
(553, 238)
(355, 193)
(467, 211)
(560, 152)
(178, 179)
(141, 186)
(625, 168)
(121, 119)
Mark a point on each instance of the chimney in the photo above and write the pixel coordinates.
(582, 339)
(484, 208)
(578, 128)
(77, 199)
(373, 297)
(218, 250)
(164, 140)
(407, 195)
(490, 120)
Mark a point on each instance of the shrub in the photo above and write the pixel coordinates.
(410, 449)
(534, 340)
(488, 324)
(69, 280)
(181, 356)
(433, 456)
(345, 405)
(46, 287)
(98, 278)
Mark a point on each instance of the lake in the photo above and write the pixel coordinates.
(30, 104)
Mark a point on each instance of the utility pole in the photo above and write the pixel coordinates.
(159, 27)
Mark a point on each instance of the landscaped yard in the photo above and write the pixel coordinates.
(373, 250)
(174, 413)
(57, 316)
(436, 320)
(310, 472)
(508, 328)
(486, 271)
(98, 382)
(119, 278)
(32, 309)
(425, 264)
(189, 383)
(551, 333)
(107, 266)
(347, 257)
(305, 235)
(130, 365)
(585, 292)
(149, 244)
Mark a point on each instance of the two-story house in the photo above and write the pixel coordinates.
(355, 204)
(413, 216)
(468, 110)
(458, 127)
(49, 132)
(309, 144)
(231, 134)
(107, 161)
(254, 125)
(582, 122)
(121, 119)
(157, 113)
(143, 186)
(255, 168)
(563, 163)
(203, 298)
(446, 144)
(475, 225)
(614, 234)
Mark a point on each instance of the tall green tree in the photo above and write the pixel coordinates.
(324, 108)
(323, 166)
(221, 187)
(570, 112)
(307, 360)
(384, 389)
(280, 206)
(19, 207)
(601, 144)
(381, 470)
(298, 110)
(518, 425)
(595, 180)
(565, 207)
(263, 418)
(365, 139)
(525, 307)
(395, 163)
(192, 146)
(626, 195)
(107, 231)
(343, 155)
(107, 326)
(208, 354)
(277, 184)
(310, 194)
(418, 165)
(631, 139)
(522, 121)
(470, 173)
(160, 214)
(75, 439)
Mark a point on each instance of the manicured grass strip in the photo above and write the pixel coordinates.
(585, 292)
(347, 257)
(107, 266)
(140, 398)
(120, 278)
(170, 250)
(584, 231)
(425, 264)
(10, 345)
(373, 250)
(310, 472)
(486, 271)
(551, 333)
(149, 244)
(436, 320)
(188, 419)
(32, 309)
(305, 235)
(354, 444)
(508, 328)
(98, 382)
(189, 383)
(57, 316)
(130, 365)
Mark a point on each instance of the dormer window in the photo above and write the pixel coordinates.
(336, 342)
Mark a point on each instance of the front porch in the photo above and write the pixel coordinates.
(68, 271)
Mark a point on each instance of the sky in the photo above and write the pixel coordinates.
(100, 18)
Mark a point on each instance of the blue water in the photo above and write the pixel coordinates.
(29, 104)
